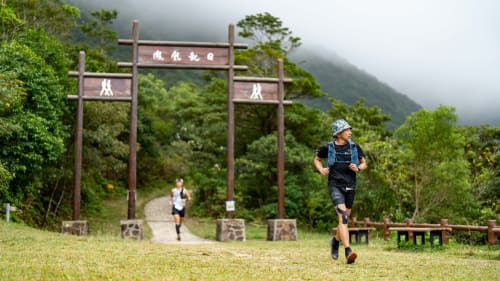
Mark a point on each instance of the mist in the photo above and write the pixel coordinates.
(436, 52)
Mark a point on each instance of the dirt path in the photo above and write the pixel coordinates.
(157, 212)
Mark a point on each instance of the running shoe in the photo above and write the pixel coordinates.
(350, 256)
(334, 248)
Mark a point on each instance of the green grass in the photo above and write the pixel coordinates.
(206, 228)
(116, 209)
(30, 254)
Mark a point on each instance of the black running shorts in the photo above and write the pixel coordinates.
(342, 194)
(177, 212)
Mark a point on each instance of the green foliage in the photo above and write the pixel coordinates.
(384, 190)
(182, 125)
(32, 110)
(434, 151)
(482, 154)
(52, 16)
(105, 38)
(265, 29)
(155, 132)
(273, 42)
(10, 24)
(105, 144)
(5, 178)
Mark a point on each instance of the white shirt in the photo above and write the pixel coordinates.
(178, 202)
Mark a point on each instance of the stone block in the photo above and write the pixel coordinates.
(230, 230)
(132, 229)
(79, 228)
(282, 229)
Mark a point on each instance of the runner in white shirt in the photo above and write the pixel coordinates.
(178, 196)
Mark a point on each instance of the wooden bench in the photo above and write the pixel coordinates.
(358, 233)
(414, 232)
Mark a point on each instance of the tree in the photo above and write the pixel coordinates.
(33, 131)
(369, 123)
(267, 30)
(155, 133)
(434, 156)
(273, 42)
(99, 31)
(482, 154)
(52, 16)
(10, 24)
(11, 99)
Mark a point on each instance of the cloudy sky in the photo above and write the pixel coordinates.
(436, 52)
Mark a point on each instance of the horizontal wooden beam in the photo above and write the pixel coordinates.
(183, 44)
(101, 75)
(184, 66)
(285, 102)
(99, 98)
(260, 79)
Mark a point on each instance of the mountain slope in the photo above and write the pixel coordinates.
(343, 81)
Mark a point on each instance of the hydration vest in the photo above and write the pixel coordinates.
(332, 155)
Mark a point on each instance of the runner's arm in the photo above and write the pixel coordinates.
(319, 166)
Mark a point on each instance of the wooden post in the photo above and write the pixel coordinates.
(230, 122)
(409, 223)
(444, 233)
(386, 229)
(367, 222)
(78, 139)
(492, 236)
(354, 221)
(281, 142)
(132, 173)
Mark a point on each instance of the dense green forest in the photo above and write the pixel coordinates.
(426, 169)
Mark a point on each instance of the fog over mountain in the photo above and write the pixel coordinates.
(436, 52)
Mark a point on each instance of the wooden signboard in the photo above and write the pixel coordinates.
(157, 55)
(107, 87)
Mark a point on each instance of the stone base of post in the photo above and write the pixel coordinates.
(132, 229)
(282, 229)
(79, 228)
(230, 229)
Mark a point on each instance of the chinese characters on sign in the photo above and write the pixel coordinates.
(182, 55)
(157, 55)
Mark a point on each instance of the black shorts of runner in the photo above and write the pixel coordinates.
(342, 194)
(177, 212)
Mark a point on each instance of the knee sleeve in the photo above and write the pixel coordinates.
(344, 215)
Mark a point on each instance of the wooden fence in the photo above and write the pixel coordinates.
(491, 228)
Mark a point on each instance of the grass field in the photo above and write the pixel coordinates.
(31, 254)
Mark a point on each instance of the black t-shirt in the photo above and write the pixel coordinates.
(341, 174)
